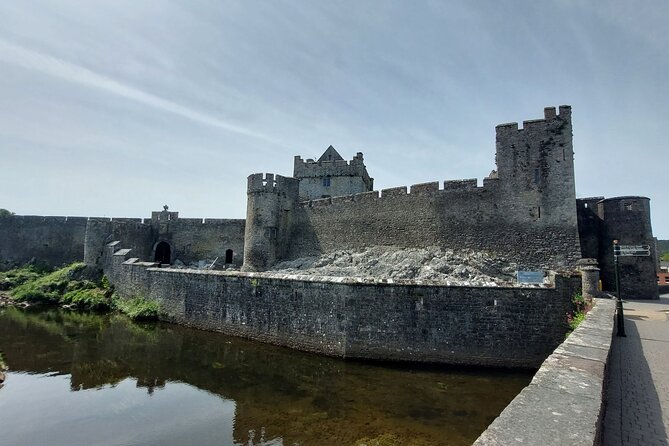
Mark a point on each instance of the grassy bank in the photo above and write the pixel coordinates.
(72, 286)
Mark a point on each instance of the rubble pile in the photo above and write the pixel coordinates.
(462, 267)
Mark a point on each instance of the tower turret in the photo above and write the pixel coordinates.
(270, 204)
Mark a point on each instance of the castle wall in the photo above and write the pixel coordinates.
(526, 212)
(589, 226)
(314, 188)
(51, 241)
(456, 217)
(197, 239)
(511, 327)
(133, 234)
(190, 239)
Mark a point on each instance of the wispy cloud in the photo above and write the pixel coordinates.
(55, 67)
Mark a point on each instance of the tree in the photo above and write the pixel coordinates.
(5, 213)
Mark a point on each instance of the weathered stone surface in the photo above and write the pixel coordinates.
(563, 404)
(50, 241)
(361, 317)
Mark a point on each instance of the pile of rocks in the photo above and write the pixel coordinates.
(462, 267)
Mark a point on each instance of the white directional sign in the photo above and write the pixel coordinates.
(631, 250)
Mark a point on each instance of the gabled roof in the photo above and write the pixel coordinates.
(330, 154)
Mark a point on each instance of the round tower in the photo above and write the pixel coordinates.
(627, 219)
(270, 200)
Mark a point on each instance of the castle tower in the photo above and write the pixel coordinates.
(535, 164)
(627, 219)
(331, 176)
(270, 204)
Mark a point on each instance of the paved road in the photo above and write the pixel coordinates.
(637, 411)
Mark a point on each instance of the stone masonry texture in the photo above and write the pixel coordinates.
(50, 241)
(512, 327)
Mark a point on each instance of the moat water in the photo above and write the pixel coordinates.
(86, 379)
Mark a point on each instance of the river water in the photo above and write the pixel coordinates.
(87, 379)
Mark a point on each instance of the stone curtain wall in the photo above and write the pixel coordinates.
(133, 234)
(190, 239)
(51, 241)
(195, 239)
(459, 216)
(511, 327)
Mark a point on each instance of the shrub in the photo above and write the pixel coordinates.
(581, 305)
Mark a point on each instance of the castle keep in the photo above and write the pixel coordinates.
(524, 213)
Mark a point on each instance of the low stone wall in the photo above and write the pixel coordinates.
(354, 318)
(563, 404)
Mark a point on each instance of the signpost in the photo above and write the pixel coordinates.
(625, 251)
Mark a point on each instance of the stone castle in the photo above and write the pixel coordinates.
(224, 274)
(525, 211)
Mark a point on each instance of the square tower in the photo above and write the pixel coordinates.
(331, 176)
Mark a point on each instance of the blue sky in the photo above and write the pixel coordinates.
(114, 108)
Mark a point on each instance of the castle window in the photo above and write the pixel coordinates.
(228, 256)
(537, 176)
(326, 182)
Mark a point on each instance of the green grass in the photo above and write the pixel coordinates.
(68, 286)
(137, 308)
(49, 288)
(15, 277)
(665, 257)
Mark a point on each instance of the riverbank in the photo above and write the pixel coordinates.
(72, 287)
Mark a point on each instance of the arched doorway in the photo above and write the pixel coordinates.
(228, 256)
(163, 253)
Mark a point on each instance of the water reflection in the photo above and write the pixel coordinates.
(88, 379)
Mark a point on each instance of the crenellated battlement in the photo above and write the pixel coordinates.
(535, 124)
(299, 162)
(420, 189)
(269, 182)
